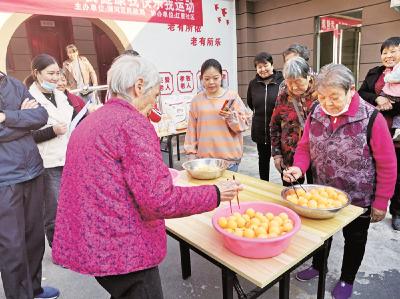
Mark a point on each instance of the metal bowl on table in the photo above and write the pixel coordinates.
(311, 212)
(205, 169)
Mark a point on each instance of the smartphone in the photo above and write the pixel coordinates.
(224, 105)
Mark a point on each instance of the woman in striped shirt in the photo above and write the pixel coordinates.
(217, 119)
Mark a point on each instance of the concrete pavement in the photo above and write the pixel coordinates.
(379, 275)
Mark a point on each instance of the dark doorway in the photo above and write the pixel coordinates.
(106, 52)
(50, 34)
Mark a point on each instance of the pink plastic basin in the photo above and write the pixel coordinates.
(175, 175)
(256, 248)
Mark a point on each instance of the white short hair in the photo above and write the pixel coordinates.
(295, 68)
(125, 72)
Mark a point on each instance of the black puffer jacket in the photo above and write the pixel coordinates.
(261, 96)
(20, 160)
(367, 90)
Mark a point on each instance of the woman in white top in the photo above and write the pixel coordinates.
(52, 139)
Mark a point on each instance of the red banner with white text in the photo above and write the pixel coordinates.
(188, 12)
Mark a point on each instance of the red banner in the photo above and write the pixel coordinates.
(331, 24)
(157, 11)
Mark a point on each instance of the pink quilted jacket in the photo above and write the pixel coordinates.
(115, 193)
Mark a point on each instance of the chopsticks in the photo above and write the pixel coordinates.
(237, 194)
(237, 198)
(291, 182)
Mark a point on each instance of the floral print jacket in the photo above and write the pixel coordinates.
(115, 193)
(285, 127)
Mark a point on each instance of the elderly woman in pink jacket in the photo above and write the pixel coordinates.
(116, 190)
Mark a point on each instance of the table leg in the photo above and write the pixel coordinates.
(239, 290)
(227, 283)
(324, 269)
(284, 286)
(170, 151)
(185, 260)
(177, 148)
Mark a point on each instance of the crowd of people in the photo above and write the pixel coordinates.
(92, 179)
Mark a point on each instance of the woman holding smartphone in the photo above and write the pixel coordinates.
(217, 119)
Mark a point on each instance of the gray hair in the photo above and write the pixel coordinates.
(295, 68)
(126, 70)
(335, 75)
(301, 50)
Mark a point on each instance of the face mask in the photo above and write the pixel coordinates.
(344, 110)
(48, 85)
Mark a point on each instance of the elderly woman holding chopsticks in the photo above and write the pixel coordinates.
(348, 145)
(110, 222)
(292, 106)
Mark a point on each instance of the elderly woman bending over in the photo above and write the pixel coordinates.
(110, 221)
(293, 104)
(348, 145)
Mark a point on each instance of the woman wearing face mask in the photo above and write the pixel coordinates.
(348, 145)
(261, 96)
(53, 138)
(217, 118)
(293, 104)
(110, 221)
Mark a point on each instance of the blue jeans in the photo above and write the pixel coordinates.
(234, 167)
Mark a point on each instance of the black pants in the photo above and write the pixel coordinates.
(52, 179)
(355, 239)
(145, 284)
(264, 157)
(301, 180)
(395, 200)
(22, 238)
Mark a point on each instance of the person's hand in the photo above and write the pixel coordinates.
(278, 161)
(383, 103)
(229, 189)
(29, 104)
(225, 113)
(2, 117)
(292, 173)
(93, 107)
(377, 215)
(60, 129)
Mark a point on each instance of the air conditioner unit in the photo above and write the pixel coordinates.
(395, 4)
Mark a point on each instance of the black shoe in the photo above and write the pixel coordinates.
(396, 222)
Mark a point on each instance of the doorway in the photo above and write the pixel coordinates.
(50, 35)
(338, 40)
(98, 40)
(106, 52)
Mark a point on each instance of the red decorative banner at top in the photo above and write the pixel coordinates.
(187, 12)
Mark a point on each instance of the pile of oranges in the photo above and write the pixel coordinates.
(317, 198)
(254, 224)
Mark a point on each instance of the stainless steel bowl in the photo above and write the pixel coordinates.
(206, 169)
(313, 213)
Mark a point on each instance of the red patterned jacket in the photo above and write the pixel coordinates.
(285, 127)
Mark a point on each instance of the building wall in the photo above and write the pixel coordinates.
(272, 25)
(20, 54)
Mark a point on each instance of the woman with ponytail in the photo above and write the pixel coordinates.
(52, 139)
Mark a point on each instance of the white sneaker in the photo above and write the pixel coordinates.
(396, 136)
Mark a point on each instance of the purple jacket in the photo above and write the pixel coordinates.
(115, 193)
(341, 157)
